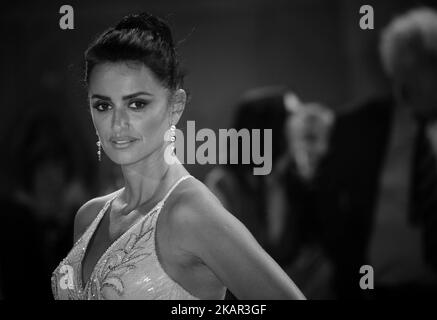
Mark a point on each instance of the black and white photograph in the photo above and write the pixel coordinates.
(218, 150)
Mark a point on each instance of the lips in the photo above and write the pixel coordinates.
(122, 142)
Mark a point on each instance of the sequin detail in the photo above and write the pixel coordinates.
(129, 268)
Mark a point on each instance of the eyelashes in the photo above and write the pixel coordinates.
(138, 104)
(101, 107)
(135, 105)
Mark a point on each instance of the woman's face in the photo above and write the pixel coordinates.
(129, 108)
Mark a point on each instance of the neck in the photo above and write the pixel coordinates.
(144, 180)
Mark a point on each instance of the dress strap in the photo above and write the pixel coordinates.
(161, 203)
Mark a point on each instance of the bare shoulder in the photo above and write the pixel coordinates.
(195, 201)
(88, 212)
(195, 212)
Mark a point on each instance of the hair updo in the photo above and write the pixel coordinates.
(140, 38)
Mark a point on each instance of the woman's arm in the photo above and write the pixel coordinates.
(225, 245)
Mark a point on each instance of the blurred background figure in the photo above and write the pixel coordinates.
(280, 208)
(236, 185)
(308, 133)
(383, 181)
(308, 129)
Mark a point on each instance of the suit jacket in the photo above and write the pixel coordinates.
(350, 177)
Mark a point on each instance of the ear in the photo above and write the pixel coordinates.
(178, 105)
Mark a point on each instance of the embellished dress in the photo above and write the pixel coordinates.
(129, 268)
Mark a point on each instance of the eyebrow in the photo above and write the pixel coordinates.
(127, 97)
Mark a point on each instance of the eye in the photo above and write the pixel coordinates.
(101, 106)
(138, 104)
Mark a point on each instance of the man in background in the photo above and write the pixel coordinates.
(381, 173)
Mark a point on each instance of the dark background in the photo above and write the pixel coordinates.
(315, 47)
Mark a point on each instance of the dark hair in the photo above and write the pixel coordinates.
(260, 108)
(263, 108)
(140, 38)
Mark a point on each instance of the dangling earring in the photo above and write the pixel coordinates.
(99, 150)
(169, 153)
(173, 137)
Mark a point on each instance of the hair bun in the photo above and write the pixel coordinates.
(138, 37)
(134, 21)
(147, 23)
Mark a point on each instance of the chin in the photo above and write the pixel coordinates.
(125, 158)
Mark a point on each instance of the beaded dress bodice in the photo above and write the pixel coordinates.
(129, 268)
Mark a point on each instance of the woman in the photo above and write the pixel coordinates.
(239, 190)
(282, 209)
(163, 235)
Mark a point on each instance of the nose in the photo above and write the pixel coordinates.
(120, 119)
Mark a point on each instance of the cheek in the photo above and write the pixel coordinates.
(151, 128)
(102, 124)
